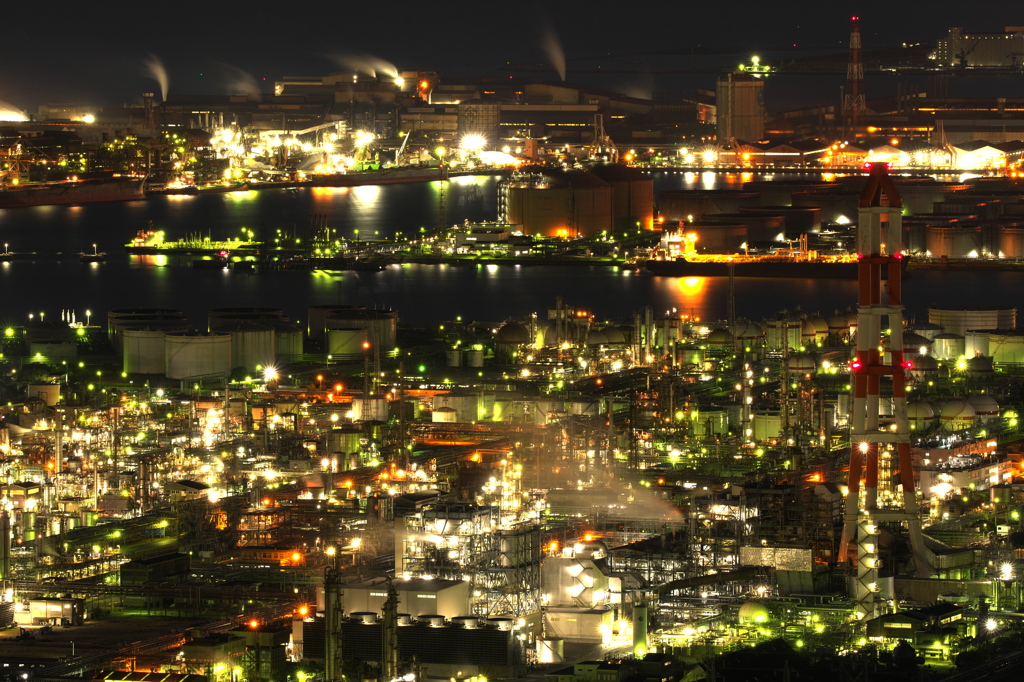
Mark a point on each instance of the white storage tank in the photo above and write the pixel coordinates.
(961, 319)
(985, 407)
(474, 357)
(219, 316)
(253, 344)
(466, 406)
(372, 409)
(444, 415)
(454, 357)
(381, 326)
(948, 346)
(197, 354)
(920, 415)
(318, 314)
(956, 414)
(975, 343)
(143, 351)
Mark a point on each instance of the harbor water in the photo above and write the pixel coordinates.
(53, 279)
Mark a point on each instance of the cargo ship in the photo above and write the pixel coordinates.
(385, 176)
(837, 267)
(151, 242)
(84, 191)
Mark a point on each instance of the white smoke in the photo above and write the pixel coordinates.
(9, 112)
(155, 69)
(552, 47)
(366, 64)
(241, 82)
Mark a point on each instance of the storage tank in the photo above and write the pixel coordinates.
(288, 339)
(684, 205)
(116, 317)
(799, 219)
(444, 415)
(1006, 346)
(253, 344)
(197, 354)
(218, 316)
(632, 195)
(143, 351)
(958, 320)
(318, 314)
(372, 409)
(956, 414)
(1011, 242)
(474, 357)
(381, 326)
(948, 346)
(718, 237)
(985, 407)
(453, 357)
(953, 241)
(920, 415)
(343, 441)
(555, 203)
(976, 343)
(346, 342)
(154, 322)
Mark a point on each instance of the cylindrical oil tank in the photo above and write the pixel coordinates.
(48, 393)
(115, 317)
(454, 357)
(288, 340)
(953, 241)
(948, 346)
(143, 351)
(799, 219)
(550, 650)
(1011, 242)
(90, 517)
(372, 409)
(680, 205)
(976, 343)
(253, 344)
(164, 323)
(474, 357)
(196, 354)
(761, 227)
(381, 326)
(444, 415)
(632, 195)
(218, 316)
(718, 237)
(960, 320)
(1006, 346)
(557, 203)
(347, 341)
(466, 405)
(343, 440)
(318, 314)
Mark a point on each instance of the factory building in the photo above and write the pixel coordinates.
(974, 50)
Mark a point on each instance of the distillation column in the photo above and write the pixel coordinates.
(880, 206)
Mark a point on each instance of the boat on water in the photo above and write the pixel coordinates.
(384, 176)
(180, 188)
(95, 257)
(151, 242)
(775, 266)
(76, 191)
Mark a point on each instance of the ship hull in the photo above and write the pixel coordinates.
(82, 192)
(773, 269)
(384, 177)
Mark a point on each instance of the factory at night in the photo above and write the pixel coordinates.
(381, 374)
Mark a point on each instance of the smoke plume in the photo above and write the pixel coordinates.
(552, 47)
(9, 112)
(366, 64)
(155, 69)
(241, 82)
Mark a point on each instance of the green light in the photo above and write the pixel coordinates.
(423, 368)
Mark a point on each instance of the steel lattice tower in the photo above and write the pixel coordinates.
(854, 103)
(879, 218)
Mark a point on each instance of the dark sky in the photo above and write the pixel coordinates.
(94, 52)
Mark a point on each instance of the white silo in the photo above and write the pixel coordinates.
(143, 351)
(976, 343)
(253, 344)
(197, 354)
(318, 314)
(444, 415)
(948, 346)
(288, 338)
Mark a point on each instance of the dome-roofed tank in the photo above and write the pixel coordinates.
(596, 337)
(838, 325)
(614, 335)
(923, 366)
(920, 415)
(979, 367)
(985, 407)
(802, 363)
(753, 612)
(719, 340)
(512, 334)
(956, 414)
(915, 342)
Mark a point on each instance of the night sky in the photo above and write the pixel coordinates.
(94, 53)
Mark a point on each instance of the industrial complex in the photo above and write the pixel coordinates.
(566, 495)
